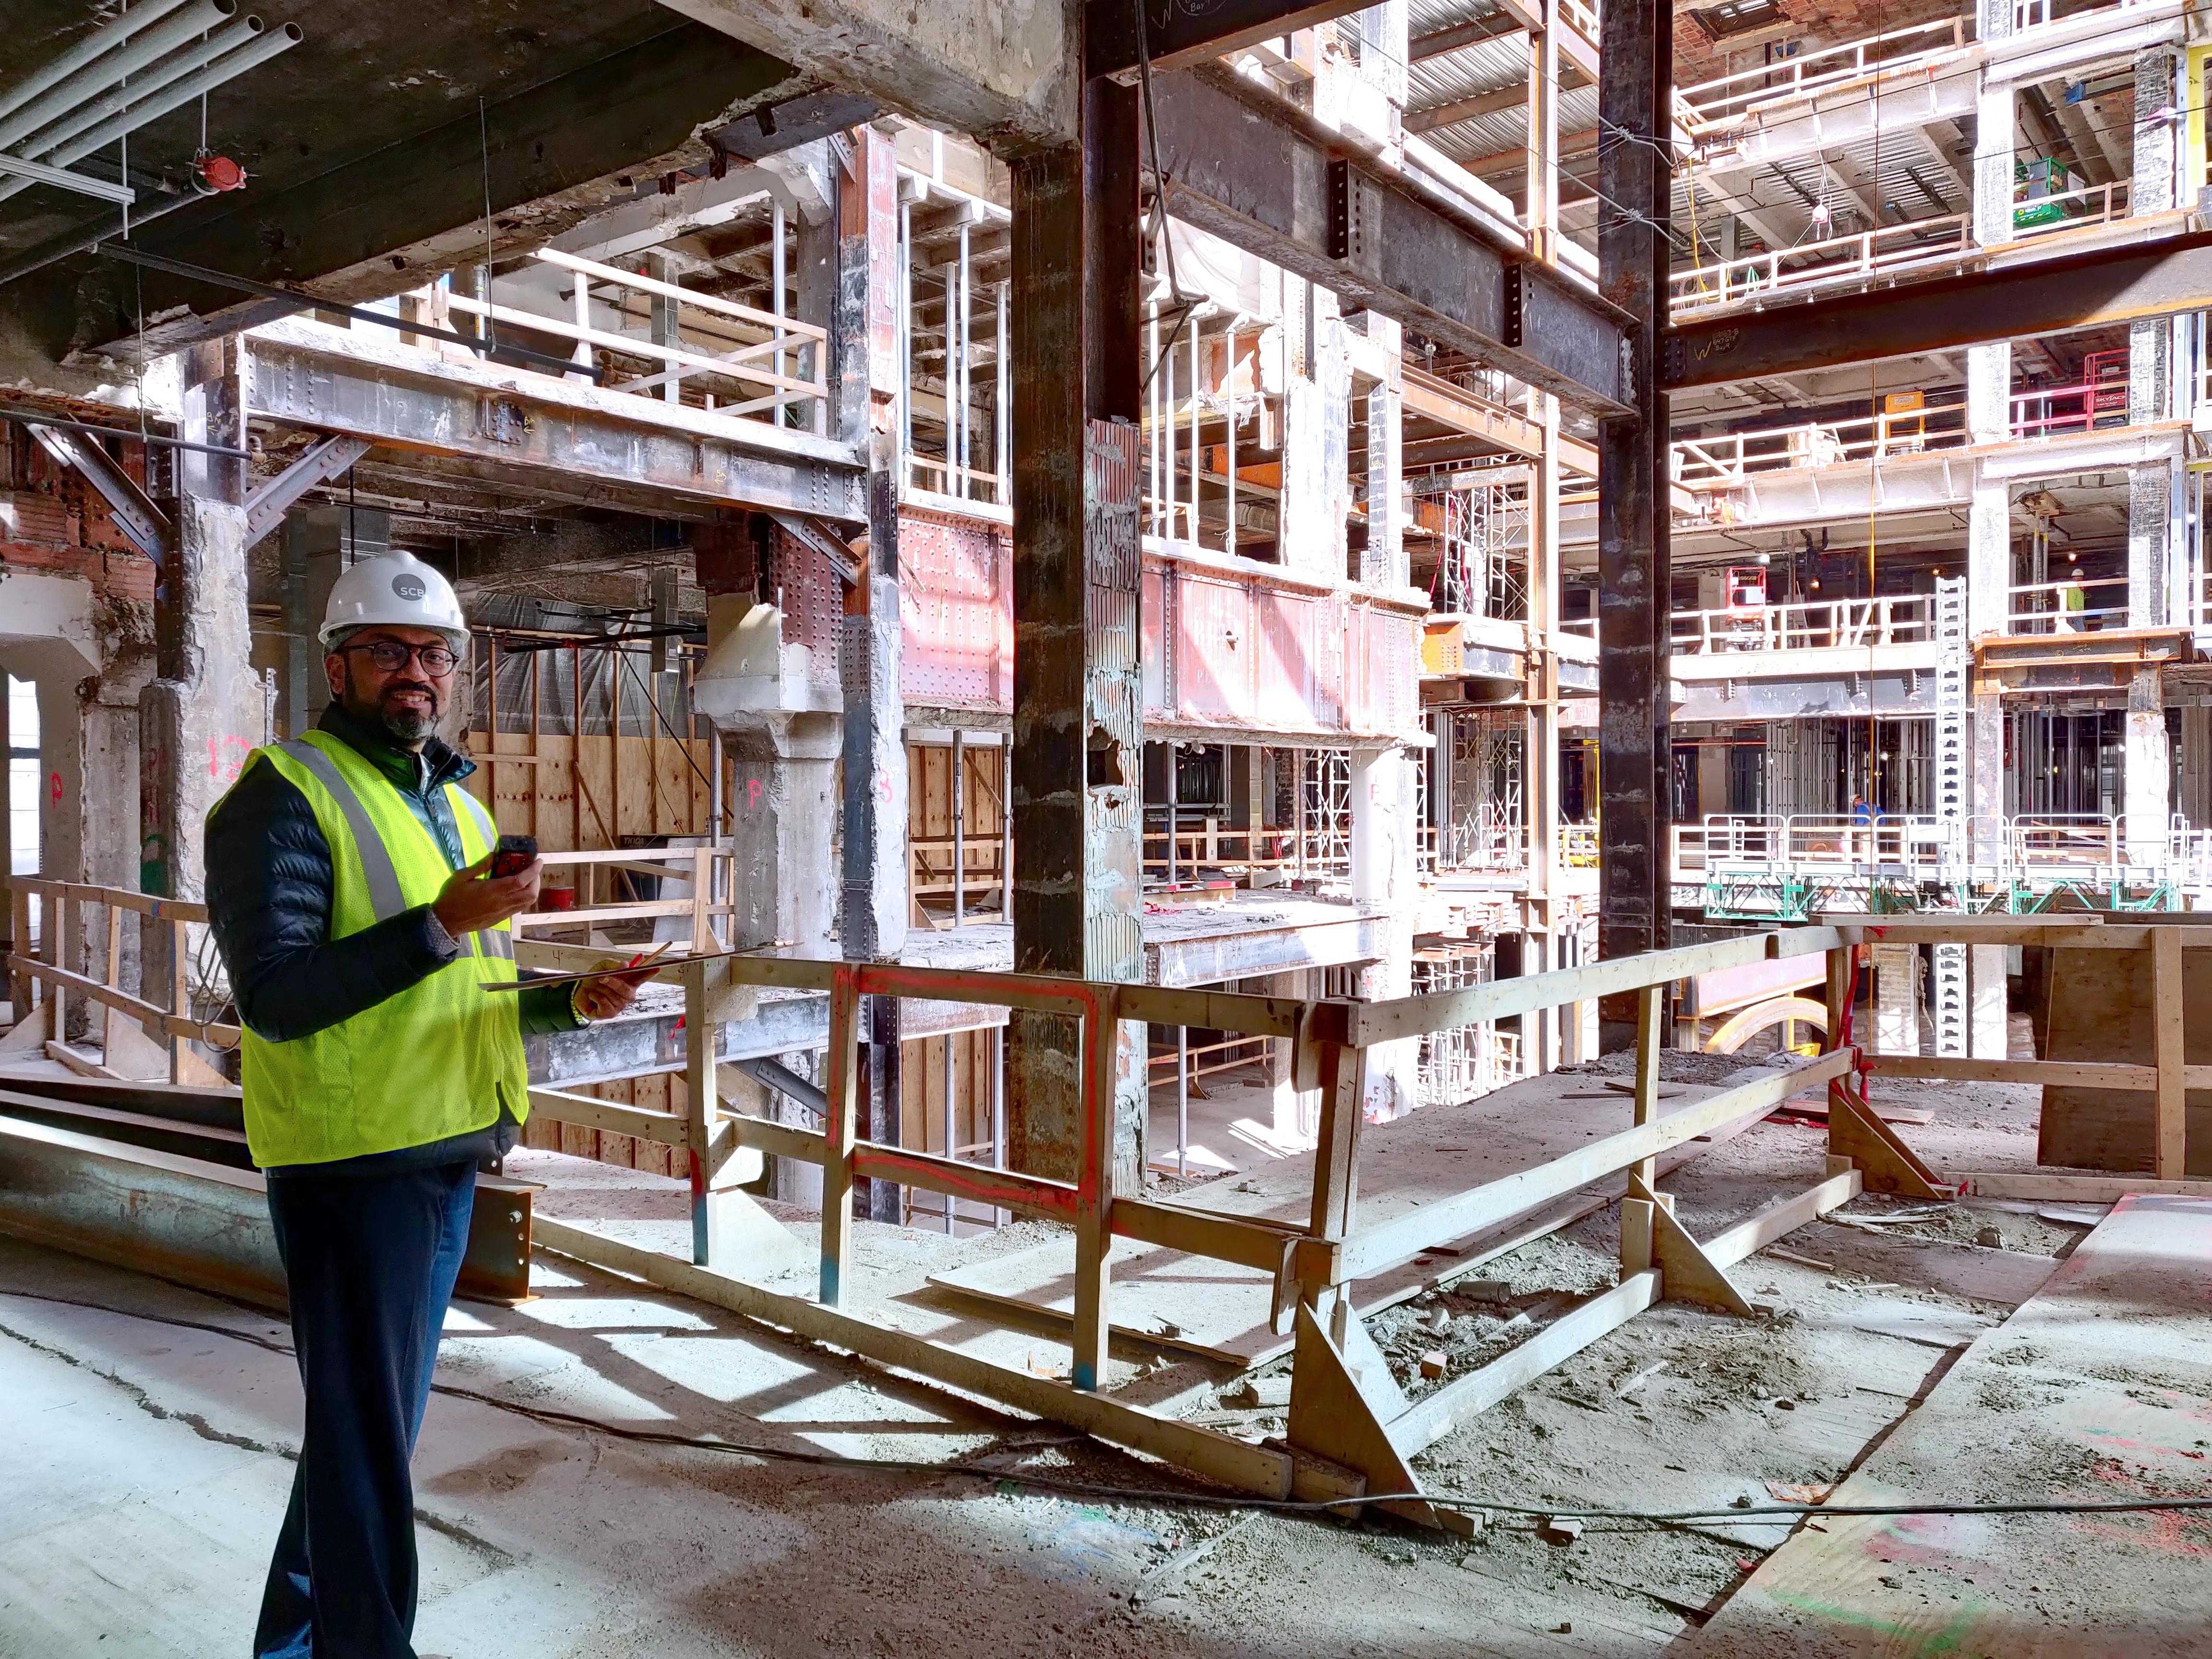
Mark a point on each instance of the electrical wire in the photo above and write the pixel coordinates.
(1167, 1496)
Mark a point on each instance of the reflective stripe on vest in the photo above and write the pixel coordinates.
(375, 857)
(442, 1057)
(497, 942)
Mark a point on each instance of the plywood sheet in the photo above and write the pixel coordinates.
(1223, 1311)
(2101, 1010)
(2094, 1390)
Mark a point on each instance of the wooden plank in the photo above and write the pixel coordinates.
(1749, 1236)
(841, 1131)
(1404, 1017)
(2088, 1074)
(223, 1036)
(2038, 1187)
(1248, 1243)
(1238, 1315)
(1332, 1416)
(1366, 1253)
(2104, 1006)
(1099, 1080)
(1439, 1413)
(2118, 1343)
(563, 1106)
(1004, 1188)
(1258, 1469)
(2169, 1111)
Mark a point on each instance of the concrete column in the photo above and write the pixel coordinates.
(783, 815)
(1383, 563)
(1385, 877)
(1295, 1112)
(2150, 521)
(866, 376)
(1988, 577)
(319, 542)
(1986, 1015)
(1316, 410)
(1993, 137)
(2147, 779)
(1896, 998)
(205, 711)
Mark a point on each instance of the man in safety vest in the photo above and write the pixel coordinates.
(349, 892)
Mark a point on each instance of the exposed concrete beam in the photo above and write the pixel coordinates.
(1177, 36)
(388, 222)
(565, 430)
(1005, 74)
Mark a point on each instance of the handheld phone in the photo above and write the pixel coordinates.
(513, 854)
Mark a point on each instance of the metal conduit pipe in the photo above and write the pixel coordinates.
(258, 51)
(99, 41)
(120, 101)
(104, 77)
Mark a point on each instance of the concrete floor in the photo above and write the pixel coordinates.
(150, 1461)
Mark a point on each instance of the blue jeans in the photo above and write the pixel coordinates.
(370, 1261)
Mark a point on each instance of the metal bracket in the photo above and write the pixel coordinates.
(135, 511)
(1510, 325)
(810, 532)
(266, 506)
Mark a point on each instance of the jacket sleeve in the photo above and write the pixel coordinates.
(268, 886)
(546, 1008)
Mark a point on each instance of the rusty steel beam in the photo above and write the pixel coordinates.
(1634, 568)
(190, 1219)
(399, 399)
(1264, 176)
(1116, 34)
(2099, 289)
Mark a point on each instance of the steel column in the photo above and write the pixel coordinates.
(1634, 188)
(1077, 762)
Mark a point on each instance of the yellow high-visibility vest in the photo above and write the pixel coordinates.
(437, 1060)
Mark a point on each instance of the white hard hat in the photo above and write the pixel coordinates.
(397, 588)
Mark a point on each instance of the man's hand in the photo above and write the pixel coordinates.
(608, 994)
(474, 898)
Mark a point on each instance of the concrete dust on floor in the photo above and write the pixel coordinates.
(146, 1495)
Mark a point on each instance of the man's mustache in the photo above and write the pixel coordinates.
(397, 686)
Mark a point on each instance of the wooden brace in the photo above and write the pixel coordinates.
(1887, 1164)
(1687, 1274)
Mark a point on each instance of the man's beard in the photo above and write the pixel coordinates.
(409, 726)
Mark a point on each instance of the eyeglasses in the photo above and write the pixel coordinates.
(390, 656)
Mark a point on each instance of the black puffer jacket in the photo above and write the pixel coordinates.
(269, 881)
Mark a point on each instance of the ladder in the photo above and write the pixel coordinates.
(1953, 790)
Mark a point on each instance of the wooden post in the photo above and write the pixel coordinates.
(55, 948)
(1840, 961)
(2171, 1108)
(837, 1167)
(1094, 1238)
(702, 898)
(20, 983)
(1636, 1209)
(1336, 1170)
(700, 1114)
(180, 999)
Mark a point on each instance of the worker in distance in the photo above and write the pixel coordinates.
(359, 898)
